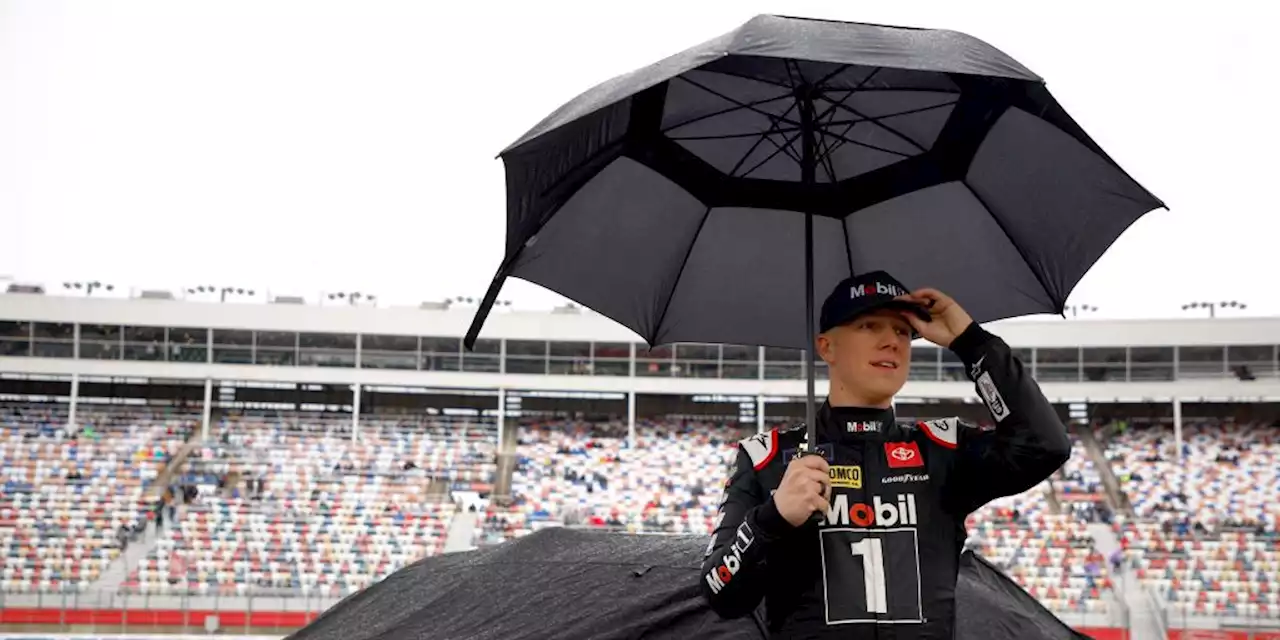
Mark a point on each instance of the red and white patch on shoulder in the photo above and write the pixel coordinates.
(761, 448)
(944, 432)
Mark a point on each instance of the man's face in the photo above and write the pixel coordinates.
(870, 355)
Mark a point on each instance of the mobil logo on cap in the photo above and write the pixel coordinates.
(875, 288)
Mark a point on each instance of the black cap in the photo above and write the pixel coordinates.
(863, 294)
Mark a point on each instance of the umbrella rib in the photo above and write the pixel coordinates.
(780, 149)
(824, 156)
(841, 69)
(730, 136)
(896, 90)
(666, 306)
(867, 145)
(850, 123)
(891, 130)
(731, 100)
(829, 149)
(896, 114)
(1044, 286)
(788, 148)
(794, 63)
(773, 126)
(736, 106)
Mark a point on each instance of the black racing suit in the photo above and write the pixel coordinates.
(883, 562)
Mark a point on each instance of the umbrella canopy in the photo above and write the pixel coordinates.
(676, 199)
(561, 583)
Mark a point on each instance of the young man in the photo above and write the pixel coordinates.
(882, 560)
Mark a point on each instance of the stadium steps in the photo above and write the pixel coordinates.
(1144, 616)
(116, 573)
(1119, 502)
(462, 531)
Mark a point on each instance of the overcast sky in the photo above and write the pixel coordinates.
(312, 145)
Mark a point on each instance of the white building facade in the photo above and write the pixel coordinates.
(1232, 360)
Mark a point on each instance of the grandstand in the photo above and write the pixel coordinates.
(167, 462)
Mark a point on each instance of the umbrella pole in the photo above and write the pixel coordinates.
(808, 163)
(811, 370)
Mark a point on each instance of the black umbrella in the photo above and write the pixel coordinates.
(712, 196)
(561, 583)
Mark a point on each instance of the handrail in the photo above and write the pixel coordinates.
(1159, 611)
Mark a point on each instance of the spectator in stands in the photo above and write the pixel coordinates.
(122, 537)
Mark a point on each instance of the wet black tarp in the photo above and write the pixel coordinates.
(560, 583)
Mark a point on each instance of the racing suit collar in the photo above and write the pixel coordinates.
(854, 422)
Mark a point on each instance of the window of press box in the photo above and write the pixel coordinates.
(13, 329)
(1104, 364)
(611, 350)
(144, 335)
(449, 345)
(339, 341)
(562, 349)
(388, 343)
(1057, 364)
(54, 331)
(15, 338)
(1151, 364)
(1202, 361)
(103, 332)
(53, 340)
(233, 337)
(276, 339)
(527, 348)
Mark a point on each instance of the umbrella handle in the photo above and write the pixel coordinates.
(816, 517)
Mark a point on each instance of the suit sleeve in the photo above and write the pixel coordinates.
(1029, 441)
(733, 570)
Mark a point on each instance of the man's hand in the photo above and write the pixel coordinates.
(805, 488)
(949, 318)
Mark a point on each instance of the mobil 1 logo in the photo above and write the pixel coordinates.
(871, 570)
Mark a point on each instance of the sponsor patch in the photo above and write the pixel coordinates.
(991, 395)
(875, 288)
(862, 427)
(903, 455)
(848, 477)
(906, 478)
(976, 369)
(721, 574)
(899, 511)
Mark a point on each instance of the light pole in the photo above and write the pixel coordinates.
(353, 297)
(1213, 308)
(1078, 309)
(88, 287)
(465, 300)
(222, 292)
